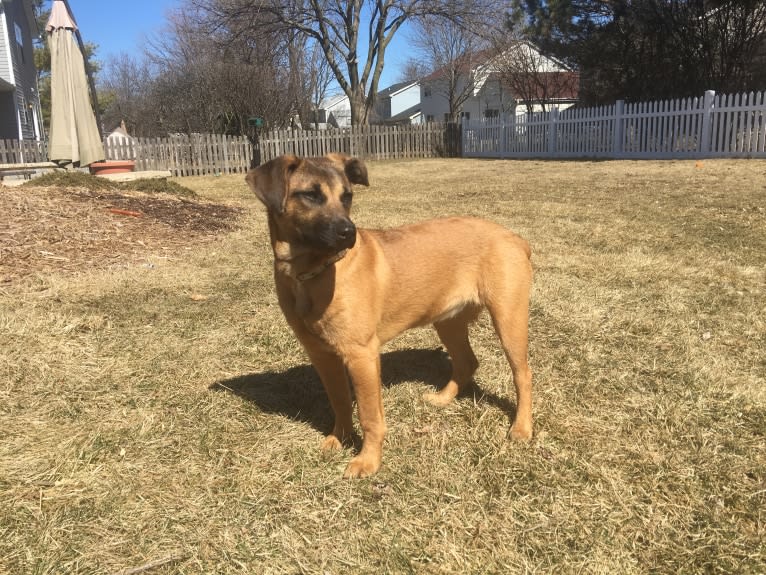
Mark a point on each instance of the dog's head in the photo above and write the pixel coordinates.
(309, 199)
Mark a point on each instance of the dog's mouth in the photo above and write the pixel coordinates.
(334, 236)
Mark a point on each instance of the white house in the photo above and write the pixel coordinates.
(20, 115)
(334, 112)
(515, 81)
(398, 104)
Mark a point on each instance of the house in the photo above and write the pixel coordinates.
(490, 84)
(334, 112)
(398, 104)
(20, 114)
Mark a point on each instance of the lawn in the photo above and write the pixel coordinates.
(159, 417)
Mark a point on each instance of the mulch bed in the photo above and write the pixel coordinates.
(72, 230)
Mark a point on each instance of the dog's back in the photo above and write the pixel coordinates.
(440, 267)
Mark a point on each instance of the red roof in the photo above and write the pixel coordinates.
(550, 85)
(463, 64)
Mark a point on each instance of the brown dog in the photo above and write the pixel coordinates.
(345, 291)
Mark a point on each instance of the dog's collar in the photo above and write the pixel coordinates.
(305, 276)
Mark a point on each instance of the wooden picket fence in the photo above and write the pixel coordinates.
(195, 155)
(710, 126)
(201, 154)
(430, 140)
(19, 152)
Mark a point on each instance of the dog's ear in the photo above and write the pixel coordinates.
(356, 172)
(269, 181)
(354, 168)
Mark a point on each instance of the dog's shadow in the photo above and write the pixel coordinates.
(297, 393)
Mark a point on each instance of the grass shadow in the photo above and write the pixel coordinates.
(298, 393)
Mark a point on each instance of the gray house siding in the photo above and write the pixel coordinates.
(398, 98)
(19, 102)
(9, 128)
(6, 71)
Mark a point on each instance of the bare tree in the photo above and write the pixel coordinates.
(452, 49)
(354, 50)
(321, 80)
(124, 88)
(310, 78)
(213, 78)
(730, 43)
(532, 78)
(414, 70)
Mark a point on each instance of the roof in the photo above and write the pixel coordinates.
(527, 56)
(465, 63)
(395, 88)
(484, 58)
(407, 114)
(333, 101)
(563, 86)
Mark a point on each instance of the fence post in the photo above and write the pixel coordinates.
(463, 139)
(703, 147)
(553, 126)
(618, 133)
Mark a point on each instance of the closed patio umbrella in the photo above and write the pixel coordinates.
(74, 137)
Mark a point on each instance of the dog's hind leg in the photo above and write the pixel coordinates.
(510, 316)
(332, 372)
(454, 335)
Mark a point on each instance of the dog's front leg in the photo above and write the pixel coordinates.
(332, 372)
(364, 366)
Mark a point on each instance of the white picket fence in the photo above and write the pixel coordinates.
(711, 126)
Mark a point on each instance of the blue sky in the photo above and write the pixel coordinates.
(124, 25)
(120, 25)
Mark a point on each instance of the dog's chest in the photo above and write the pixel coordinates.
(316, 312)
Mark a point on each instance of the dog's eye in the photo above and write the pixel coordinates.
(346, 198)
(311, 197)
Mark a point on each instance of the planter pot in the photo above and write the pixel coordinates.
(112, 167)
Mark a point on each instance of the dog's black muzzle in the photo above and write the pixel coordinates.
(346, 234)
(336, 234)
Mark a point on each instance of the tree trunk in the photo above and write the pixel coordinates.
(358, 103)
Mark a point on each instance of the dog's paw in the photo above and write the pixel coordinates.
(331, 443)
(521, 432)
(440, 399)
(360, 467)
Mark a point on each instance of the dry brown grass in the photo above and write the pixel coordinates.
(165, 414)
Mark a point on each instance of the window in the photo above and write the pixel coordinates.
(490, 113)
(20, 40)
(426, 91)
(429, 118)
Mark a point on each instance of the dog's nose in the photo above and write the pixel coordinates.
(346, 230)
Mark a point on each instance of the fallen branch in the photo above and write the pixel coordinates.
(125, 212)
